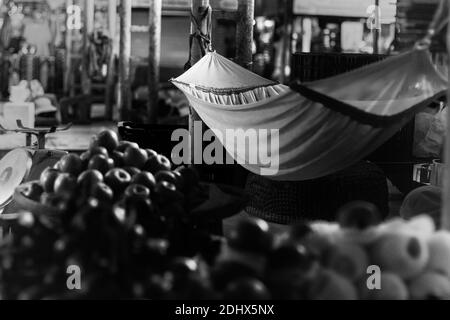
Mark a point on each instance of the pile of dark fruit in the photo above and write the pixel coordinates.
(122, 259)
(116, 172)
(105, 205)
(122, 255)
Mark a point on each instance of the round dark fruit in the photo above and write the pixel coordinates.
(135, 157)
(52, 200)
(98, 150)
(118, 180)
(182, 268)
(124, 145)
(47, 179)
(158, 163)
(132, 171)
(107, 139)
(85, 157)
(71, 164)
(102, 192)
(251, 235)
(57, 165)
(89, 178)
(101, 163)
(118, 158)
(137, 191)
(151, 153)
(247, 289)
(290, 256)
(167, 176)
(65, 184)
(144, 178)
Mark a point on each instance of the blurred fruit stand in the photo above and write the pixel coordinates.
(140, 230)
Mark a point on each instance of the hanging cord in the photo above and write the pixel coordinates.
(204, 40)
(440, 21)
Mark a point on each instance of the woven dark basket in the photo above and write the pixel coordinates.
(292, 202)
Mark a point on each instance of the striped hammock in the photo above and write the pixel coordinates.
(321, 127)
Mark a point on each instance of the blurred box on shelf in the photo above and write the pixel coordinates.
(13, 111)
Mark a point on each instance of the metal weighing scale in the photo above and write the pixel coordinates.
(25, 164)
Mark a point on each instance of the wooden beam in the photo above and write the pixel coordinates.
(154, 59)
(286, 53)
(124, 99)
(112, 16)
(68, 63)
(89, 10)
(90, 15)
(244, 33)
(376, 31)
(198, 8)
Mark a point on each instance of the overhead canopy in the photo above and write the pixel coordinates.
(323, 126)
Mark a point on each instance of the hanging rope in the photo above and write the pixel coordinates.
(203, 39)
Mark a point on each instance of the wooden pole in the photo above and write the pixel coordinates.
(89, 9)
(112, 16)
(287, 39)
(198, 8)
(124, 99)
(68, 64)
(244, 33)
(376, 31)
(154, 58)
(446, 195)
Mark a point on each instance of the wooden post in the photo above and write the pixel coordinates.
(124, 99)
(154, 57)
(287, 40)
(244, 33)
(376, 31)
(89, 10)
(446, 195)
(68, 63)
(112, 15)
(198, 8)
